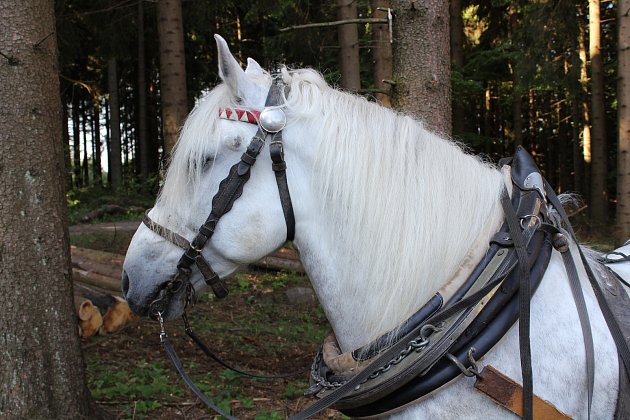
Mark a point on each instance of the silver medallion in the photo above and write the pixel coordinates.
(272, 120)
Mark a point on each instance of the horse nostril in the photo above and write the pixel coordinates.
(125, 283)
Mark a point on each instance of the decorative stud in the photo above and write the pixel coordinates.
(272, 120)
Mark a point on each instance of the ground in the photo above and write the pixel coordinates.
(255, 328)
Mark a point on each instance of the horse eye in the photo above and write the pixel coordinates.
(208, 161)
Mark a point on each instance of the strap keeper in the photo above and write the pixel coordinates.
(199, 241)
(207, 229)
(211, 278)
(187, 259)
(279, 167)
(250, 160)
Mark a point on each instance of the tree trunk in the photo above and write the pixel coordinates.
(85, 171)
(66, 146)
(381, 53)
(348, 38)
(76, 141)
(599, 163)
(172, 70)
(143, 147)
(586, 121)
(421, 62)
(623, 151)
(115, 163)
(42, 374)
(97, 170)
(457, 59)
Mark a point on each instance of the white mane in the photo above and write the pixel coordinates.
(407, 205)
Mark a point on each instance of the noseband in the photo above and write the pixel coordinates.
(271, 122)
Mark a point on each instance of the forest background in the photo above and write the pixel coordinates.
(93, 92)
(531, 73)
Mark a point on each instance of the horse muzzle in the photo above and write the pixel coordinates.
(169, 299)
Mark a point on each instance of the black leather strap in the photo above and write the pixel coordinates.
(524, 305)
(279, 166)
(172, 355)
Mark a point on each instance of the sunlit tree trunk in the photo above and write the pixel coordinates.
(348, 38)
(172, 70)
(422, 61)
(381, 53)
(41, 373)
(96, 143)
(599, 160)
(76, 142)
(623, 152)
(115, 163)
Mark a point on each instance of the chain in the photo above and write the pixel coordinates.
(416, 345)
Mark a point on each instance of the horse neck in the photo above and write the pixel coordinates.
(374, 267)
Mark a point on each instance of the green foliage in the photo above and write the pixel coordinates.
(145, 386)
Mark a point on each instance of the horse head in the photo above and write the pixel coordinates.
(207, 149)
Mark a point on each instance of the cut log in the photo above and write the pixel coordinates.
(113, 311)
(90, 319)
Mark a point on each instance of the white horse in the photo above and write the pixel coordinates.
(386, 214)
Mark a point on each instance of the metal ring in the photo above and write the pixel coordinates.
(530, 216)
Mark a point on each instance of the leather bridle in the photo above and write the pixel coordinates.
(271, 122)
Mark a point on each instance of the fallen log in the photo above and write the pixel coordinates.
(278, 263)
(97, 256)
(96, 279)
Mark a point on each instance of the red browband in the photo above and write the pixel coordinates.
(236, 114)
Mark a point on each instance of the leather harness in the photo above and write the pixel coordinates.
(441, 340)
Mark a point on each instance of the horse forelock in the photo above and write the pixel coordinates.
(198, 140)
(390, 187)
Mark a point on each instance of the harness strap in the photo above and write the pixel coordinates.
(279, 166)
(172, 355)
(622, 346)
(520, 247)
(204, 348)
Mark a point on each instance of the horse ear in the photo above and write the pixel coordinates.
(253, 68)
(230, 70)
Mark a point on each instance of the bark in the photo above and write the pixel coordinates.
(623, 151)
(42, 373)
(599, 163)
(348, 38)
(143, 147)
(115, 163)
(381, 53)
(421, 62)
(172, 70)
(457, 59)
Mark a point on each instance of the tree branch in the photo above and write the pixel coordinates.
(334, 23)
